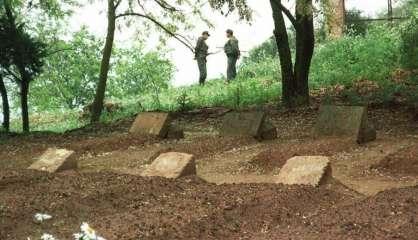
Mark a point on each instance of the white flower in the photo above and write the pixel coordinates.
(87, 233)
(47, 236)
(40, 217)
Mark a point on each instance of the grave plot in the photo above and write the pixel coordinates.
(172, 165)
(248, 124)
(305, 170)
(156, 124)
(345, 122)
(55, 160)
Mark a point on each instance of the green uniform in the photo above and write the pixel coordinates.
(201, 52)
(232, 51)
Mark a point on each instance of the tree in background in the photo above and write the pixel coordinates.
(5, 103)
(165, 16)
(136, 72)
(25, 54)
(69, 78)
(295, 77)
(334, 11)
(355, 24)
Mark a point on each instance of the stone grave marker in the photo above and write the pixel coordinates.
(55, 160)
(151, 123)
(171, 165)
(305, 170)
(253, 124)
(344, 121)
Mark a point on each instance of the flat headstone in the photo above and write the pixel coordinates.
(175, 132)
(305, 170)
(268, 131)
(242, 124)
(171, 165)
(55, 160)
(151, 123)
(344, 121)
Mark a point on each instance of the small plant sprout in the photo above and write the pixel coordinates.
(87, 233)
(41, 217)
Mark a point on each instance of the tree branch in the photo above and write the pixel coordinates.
(167, 6)
(177, 36)
(287, 13)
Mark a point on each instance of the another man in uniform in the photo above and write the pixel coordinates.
(233, 53)
(201, 52)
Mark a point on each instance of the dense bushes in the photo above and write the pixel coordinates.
(409, 44)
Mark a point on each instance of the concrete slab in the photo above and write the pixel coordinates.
(344, 121)
(175, 132)
(305, 170)
(172, 165)
(151, 123)
(55, 160)
(268, 131)
(242, 124)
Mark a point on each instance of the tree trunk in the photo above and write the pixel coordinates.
(104, 67)
(335, 14)
(6, 107)
(24, 92)
(305, 43)
(285, 55)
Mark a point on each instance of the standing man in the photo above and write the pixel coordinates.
(233, 53)
(201, 52)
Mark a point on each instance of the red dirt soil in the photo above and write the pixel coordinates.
(272, 159)
(404, 162)
(129, 207)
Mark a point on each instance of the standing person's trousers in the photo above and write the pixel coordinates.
(231, 72)
(201, 62)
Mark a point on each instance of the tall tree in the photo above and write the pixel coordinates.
(295, 76)
(166, 16)
(5, 102)
(25, 55)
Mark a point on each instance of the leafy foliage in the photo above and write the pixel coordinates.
(354, 24)
(70, 75)
(409, 44)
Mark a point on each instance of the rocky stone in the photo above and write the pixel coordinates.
(175, 132)
(344, 121)
(55, 160)
(243, 124)
(151, 123)
(268, 131)
(171, 165)
(305, 170)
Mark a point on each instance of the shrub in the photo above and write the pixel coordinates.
(409, 44)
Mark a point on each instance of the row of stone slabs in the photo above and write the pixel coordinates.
(306, 170)
(338, 121)
(301, 170)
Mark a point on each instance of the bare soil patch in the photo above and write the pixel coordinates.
(276, 157)
(403, 162)
(129, 207)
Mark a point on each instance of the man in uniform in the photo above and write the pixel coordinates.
(201, 52)
(233, 53)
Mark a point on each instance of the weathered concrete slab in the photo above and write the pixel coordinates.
(344, 121)
(175, 132)
(172, 165)
(151, 123)
(243, 124)
(55, 160)
(305, 170)
(268, 131)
